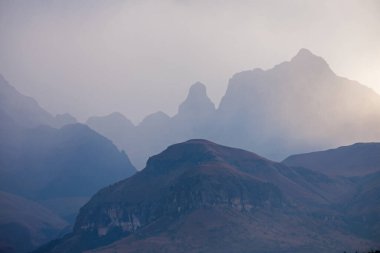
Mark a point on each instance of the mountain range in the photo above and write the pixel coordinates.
(199, 196)
(48, 163)
(297, 106)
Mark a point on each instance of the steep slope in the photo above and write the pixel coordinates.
(354, 160)
(57, 167)
(24, 224)
(198, 196)
(25, 111)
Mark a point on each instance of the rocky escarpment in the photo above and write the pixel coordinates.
(173, 184)
(198, 196)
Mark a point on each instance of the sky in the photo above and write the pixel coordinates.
(137, 57)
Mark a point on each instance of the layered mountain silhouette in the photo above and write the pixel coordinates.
(297, 106)
(25, 224)
(44, 162)
(199, 196)
(60, 168)
(158, 130)
(355, 160)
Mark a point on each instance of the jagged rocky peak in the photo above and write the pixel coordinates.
(197, 102)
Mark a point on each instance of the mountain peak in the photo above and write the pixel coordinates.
(304, 52)
(305, 59)
(195, 152)
(198, 89)
(197, 102)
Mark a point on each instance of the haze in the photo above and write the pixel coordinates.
(95, 57)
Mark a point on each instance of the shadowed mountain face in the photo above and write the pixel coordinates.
(45, 163)
(198, 196)
(40, 162)
(297, 106)
(356, 160)
(58, 168)
(24, 224)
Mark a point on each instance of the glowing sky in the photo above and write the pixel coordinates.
(137, 57)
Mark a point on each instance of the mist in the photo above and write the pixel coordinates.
(137, 57)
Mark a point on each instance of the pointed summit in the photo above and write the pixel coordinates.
(304, 52)
(305, 59)
(197, 102)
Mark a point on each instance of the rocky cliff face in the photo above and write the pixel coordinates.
(200, 196)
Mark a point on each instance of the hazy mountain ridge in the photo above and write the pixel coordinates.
(52, 159)
(207, 197)
(55, 167)
(25, 111)
(297, 106)
(358, 159)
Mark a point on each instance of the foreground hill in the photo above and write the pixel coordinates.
(198, 196)
(354, 160)
(24, 224)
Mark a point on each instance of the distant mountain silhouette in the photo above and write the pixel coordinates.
(158, 130)
(58, 168)
(38, 161)
(297, 106)
(25, 111)
(24, 224)
(114, 126)
(355, 160)
(199, 196)
(197, 104)
(43, 163)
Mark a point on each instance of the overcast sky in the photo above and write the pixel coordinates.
(139, 56)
